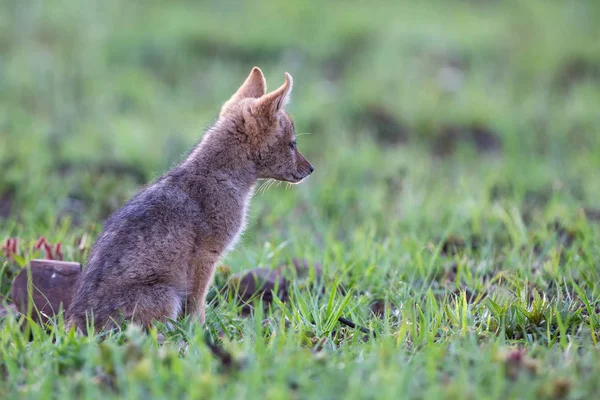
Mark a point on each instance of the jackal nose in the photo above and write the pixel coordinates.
(311, 168)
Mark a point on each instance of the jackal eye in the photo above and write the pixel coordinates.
(293, 144)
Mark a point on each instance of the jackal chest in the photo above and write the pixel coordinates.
(237, 227)
(222, 226)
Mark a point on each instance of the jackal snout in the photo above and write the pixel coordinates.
(303, 168)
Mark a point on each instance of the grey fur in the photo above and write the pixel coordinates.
(156, 256)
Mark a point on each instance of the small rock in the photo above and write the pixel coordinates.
(592, 214)
(575, 70)
(52, 284)
(378, 308)
(561, 387)
(7, 309)
(160, 339)
(264, 282)
(388, 129)
(454, 245)
(483, 138)
(517, 362)
(258, 283)
(6, 202)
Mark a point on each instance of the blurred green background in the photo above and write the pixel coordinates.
(418, 117)
(456, 191)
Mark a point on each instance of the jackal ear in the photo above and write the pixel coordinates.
(254, 86)
(272, 102)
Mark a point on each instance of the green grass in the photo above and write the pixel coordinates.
(430, 124)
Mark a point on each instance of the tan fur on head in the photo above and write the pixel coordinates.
(278, 99)
(254, 86)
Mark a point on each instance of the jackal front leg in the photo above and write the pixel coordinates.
(196, 299)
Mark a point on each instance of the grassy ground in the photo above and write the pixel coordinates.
(457, 150)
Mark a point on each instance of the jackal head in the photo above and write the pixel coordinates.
(264, 130)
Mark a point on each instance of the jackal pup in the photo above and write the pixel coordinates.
(156, 256)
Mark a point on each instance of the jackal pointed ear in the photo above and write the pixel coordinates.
(254, 86)
(272, 102)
